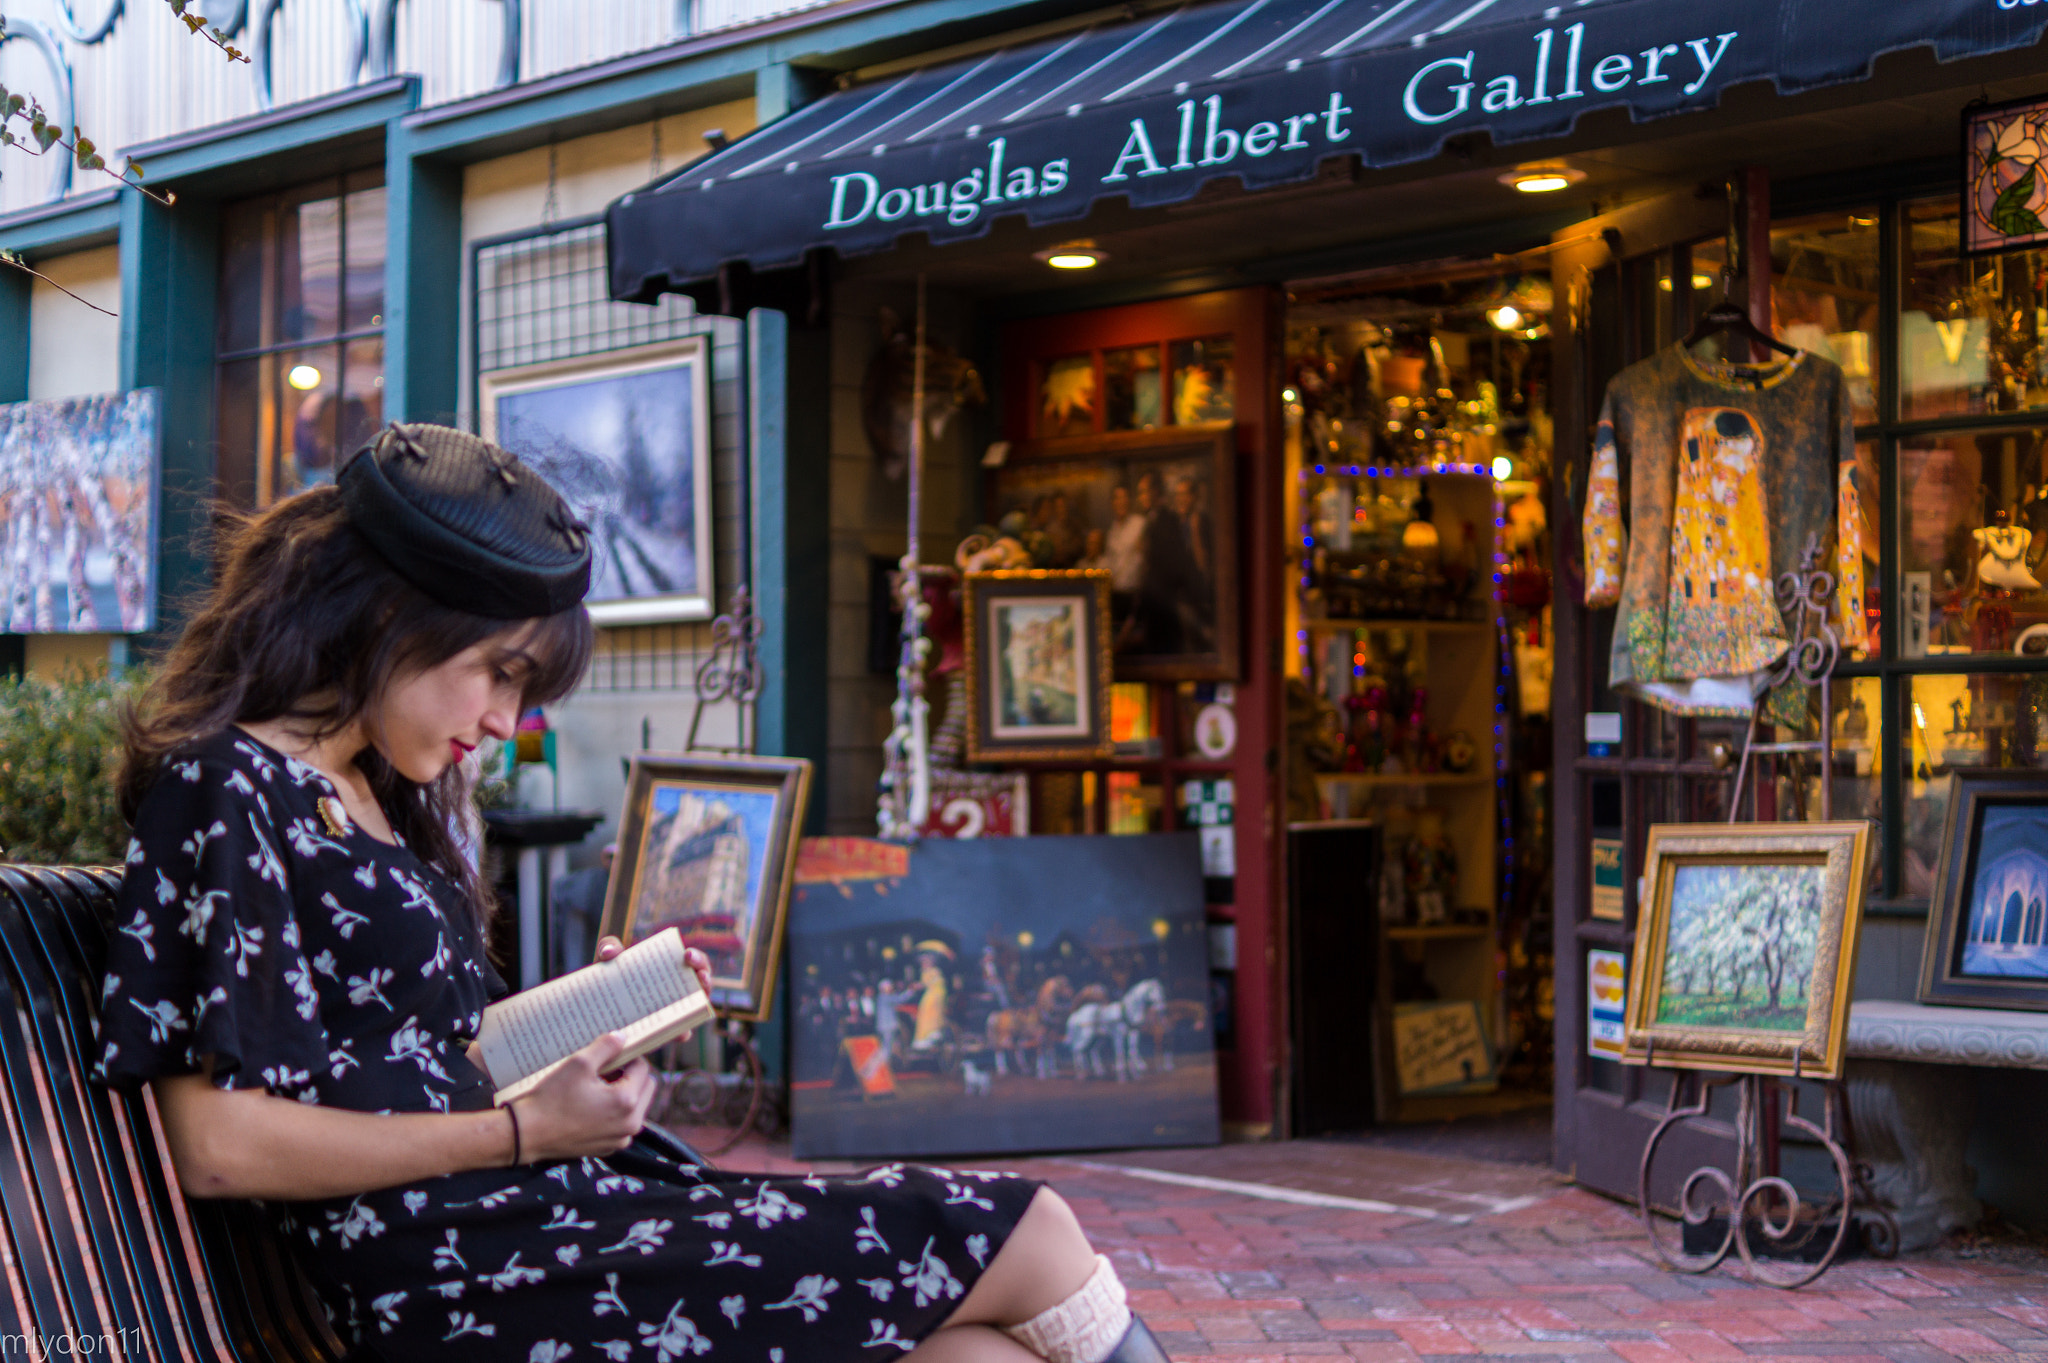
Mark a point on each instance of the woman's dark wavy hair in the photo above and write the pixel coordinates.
(307, 622)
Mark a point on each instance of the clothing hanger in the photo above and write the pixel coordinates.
(1726, 317)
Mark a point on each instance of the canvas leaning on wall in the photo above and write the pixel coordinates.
(1746, 947)
(706, 844)
(78, 479)
(1987, 929)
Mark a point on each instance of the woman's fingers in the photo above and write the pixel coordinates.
(700, 963)
(609, 946)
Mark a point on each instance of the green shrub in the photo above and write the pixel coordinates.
(59, 747)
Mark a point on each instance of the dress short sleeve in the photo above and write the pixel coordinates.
(206, 954)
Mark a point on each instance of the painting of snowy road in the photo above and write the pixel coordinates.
(78, 513)
(624, 436)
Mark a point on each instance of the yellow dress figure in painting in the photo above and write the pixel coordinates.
(1720, 550)
(931, 1001)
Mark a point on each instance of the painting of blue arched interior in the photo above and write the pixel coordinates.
(2007, 934)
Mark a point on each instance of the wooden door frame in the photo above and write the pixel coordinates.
(1253, 1077)
(1599, 1136)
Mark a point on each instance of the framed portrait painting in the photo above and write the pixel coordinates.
(625, 437)
(707, 844)
(1157, 511)
(1746, 947)
(1987, 929)
(1037, 665)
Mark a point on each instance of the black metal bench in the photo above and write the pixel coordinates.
(98, 1240)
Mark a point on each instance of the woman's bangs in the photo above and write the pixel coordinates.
(555, 653)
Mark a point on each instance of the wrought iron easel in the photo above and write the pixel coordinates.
(1803, 597)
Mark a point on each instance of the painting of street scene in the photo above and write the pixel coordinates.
(623, 441)
(998, 995)
(78, 503)
(1039, 683)
(700, 868)
(2006, 935)
(1740, 947)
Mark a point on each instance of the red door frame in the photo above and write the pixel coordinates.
(1253, 1075)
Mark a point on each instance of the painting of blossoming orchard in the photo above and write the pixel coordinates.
(1740, 947)
(78, 483)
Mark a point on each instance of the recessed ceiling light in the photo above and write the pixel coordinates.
(303, 377)
(1073, 255)
(1542, 177)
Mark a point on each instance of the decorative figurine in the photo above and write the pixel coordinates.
(2004, 561)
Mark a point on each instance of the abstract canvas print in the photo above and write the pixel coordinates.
(78, 481)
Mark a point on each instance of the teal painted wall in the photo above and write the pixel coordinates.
(169, 273)
(422, 284)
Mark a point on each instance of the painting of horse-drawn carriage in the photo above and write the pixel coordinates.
(1002, 995)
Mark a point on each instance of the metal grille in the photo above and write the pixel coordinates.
(544, 297)
(541, 297)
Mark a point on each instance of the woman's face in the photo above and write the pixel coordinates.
(428, 721)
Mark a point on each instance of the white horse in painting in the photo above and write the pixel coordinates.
(1117, 1022)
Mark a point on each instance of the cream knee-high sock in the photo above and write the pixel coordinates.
(1085, 1327)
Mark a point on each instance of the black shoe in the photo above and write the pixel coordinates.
(1139, 1345)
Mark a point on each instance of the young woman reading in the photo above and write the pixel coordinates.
(299, 971)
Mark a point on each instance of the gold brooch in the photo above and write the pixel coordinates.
(334, 814)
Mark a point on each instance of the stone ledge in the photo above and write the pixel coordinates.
(1887, 1029)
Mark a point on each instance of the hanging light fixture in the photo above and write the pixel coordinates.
(1542, 177)
(1506, 317)
(303, 377)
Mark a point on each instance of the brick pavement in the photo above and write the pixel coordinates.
(1557, 1274)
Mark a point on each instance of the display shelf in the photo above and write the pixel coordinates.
(1444, 932)
(1420, 778)
(1342, 626)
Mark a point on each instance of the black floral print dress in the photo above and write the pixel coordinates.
(324, 965)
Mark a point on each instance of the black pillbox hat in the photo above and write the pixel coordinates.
(465, 522)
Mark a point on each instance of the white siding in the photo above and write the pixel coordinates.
(73, 350)
(150, 79)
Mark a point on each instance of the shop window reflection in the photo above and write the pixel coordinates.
(1825, 273)
(1973, 531)
(1970, 329)
(1965, 722)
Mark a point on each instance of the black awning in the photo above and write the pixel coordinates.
(1263, 90)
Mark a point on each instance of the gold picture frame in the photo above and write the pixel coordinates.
(1745, 949)
(707, 844)
(1054, 622)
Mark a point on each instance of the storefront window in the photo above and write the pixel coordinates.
(1825, 273)
(1959, 723)
(300, 343)
(1970, 329)
(1973, 532)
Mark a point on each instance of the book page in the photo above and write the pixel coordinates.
(650, 1033)
(535, 1029)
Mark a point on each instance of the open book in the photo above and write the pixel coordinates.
(646, 993)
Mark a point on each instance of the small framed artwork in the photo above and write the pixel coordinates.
(625, 437)
(1157, 510)
(1038, 666)
(2003, 188)
(1987, 929)
(707, 844)
(1746, 947)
